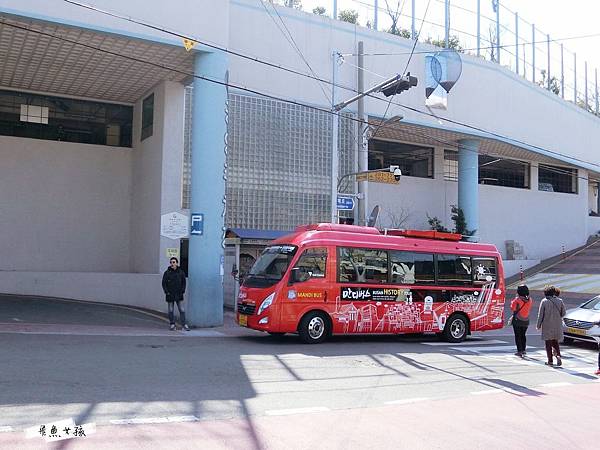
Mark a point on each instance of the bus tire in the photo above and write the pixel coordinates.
(314, 327)
(456, 328)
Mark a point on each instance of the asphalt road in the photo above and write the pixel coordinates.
(229, 383)
(144, 387)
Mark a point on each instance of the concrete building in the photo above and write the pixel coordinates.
(105, 119)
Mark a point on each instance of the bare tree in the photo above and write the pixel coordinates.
(493, 40)
(394, 16)
(395, 218)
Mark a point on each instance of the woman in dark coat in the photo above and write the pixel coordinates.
(173, 284)
(552, 310)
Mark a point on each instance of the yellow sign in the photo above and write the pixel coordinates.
(188, 44)
(173, 253)
(377, 177)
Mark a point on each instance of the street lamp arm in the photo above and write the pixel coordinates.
(375, 88)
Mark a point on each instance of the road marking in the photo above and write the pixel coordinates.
(6, 429)
(491, 348)
(553, 385)
(488, 391)
(405, 401)
(143, 420)
(473, 342)
(287, 412)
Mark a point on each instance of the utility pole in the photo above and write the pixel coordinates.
(335, 122)
(363, 153)
(389, 87)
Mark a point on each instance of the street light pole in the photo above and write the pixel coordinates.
(362, 141)
(335, 123)
(389, 87)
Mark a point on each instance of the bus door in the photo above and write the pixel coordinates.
(363, 294)
(307, 284)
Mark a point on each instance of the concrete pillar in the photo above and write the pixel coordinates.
(205, 300)
(468, 183)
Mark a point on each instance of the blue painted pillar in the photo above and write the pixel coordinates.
(468, 183)
(205, 299)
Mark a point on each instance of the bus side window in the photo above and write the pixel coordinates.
(312, 263)
(411, 268)
(454, 270)
(484, 270)
(362, 265)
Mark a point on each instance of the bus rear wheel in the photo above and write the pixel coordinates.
(314, 328)
(456, 328)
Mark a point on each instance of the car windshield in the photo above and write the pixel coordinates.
(271, 266)
(593, 304)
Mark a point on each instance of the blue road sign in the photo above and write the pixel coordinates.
(197, 227)
(345, 203)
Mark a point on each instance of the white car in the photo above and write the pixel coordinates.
(583, 323)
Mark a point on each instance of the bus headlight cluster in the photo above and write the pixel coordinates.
(266, 303)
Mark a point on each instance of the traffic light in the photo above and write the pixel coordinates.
(401, 84)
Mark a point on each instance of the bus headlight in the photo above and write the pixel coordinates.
(266, 303)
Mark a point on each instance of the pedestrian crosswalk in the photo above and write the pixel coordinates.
(577, 361)
(579, 283)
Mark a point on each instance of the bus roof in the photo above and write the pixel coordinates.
(410, 240)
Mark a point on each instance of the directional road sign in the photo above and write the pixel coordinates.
(345, 203)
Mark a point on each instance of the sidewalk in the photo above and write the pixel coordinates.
(39, 315)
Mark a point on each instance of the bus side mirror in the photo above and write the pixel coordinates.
(297, 275)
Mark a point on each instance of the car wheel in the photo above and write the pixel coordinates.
(456, 328)
(314, 328)
(568, 340)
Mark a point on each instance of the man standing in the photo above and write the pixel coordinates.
(173, 284)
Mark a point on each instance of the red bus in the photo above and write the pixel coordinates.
(329, 279)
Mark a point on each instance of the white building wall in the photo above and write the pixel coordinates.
(64, 206)
(205, 20)
(172, 162)
(157, 177)
(146, 195)
(487, 95)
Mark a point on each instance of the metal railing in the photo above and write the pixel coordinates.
(488, 29)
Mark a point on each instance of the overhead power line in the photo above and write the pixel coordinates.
(257, 60)
(413, 133)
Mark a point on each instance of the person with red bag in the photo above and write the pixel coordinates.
(520, 306)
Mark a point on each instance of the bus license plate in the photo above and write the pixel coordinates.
(576, 331)
(243, 320)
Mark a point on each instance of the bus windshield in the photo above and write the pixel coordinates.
(271, 266)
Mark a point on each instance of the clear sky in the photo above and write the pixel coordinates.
(558, 18)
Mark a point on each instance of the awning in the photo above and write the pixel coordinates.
(257, 235)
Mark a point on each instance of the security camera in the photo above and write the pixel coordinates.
(397, 172)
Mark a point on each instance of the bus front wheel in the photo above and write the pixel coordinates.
(314, 328)
(456, 328)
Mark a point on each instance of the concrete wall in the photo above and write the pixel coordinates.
(487, 95)
(157, 177)
(540, 221)
(172, 162)
(142, 290)
(64, 206)
(146, 192)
